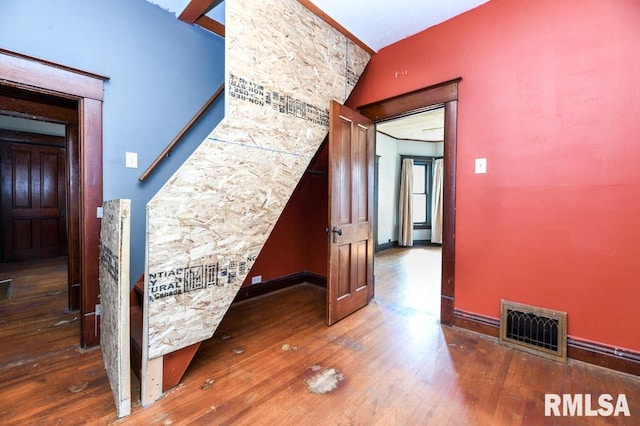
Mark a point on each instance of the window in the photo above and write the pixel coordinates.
(420, 195)
(422, 175)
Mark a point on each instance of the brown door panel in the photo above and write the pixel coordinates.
(350, 275)
(33, 201)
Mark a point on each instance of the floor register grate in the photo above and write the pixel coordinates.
(535, 330)
(5, 288)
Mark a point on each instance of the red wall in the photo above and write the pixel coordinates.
(298, 241)
(550, 94)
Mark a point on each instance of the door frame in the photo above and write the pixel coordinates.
(43, 77)
(445, 94)
(41, 107)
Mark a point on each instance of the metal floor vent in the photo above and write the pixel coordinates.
(535, 330)
(5, 288)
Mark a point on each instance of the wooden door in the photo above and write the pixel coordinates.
(33, 201)
(350, 268)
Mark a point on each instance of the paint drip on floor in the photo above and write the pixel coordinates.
(325, 381)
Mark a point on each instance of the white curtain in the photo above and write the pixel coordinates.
(436, 202)
(405, 221)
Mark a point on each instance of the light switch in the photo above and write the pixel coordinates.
(131, 160)
(481, 165)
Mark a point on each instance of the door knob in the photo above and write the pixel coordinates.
(336, 231)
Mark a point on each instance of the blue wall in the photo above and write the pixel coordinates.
(161, 71)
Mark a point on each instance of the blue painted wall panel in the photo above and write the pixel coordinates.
(161, 71)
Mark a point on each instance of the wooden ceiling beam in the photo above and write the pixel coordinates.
(329, 20)
(197, 8)
(211, 25)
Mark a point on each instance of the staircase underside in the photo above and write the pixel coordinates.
(207, 225)
(175, 364)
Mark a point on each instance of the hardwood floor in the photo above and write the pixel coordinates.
(410, 278)
(34, 321)
(390, 363)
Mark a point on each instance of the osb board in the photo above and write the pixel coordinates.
(207, 225)
(114, 300)
(202, 277)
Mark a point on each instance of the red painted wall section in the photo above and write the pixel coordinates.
(298, 241)
(550, 93)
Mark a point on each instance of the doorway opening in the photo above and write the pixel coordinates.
(39, 178)
(446, 95)
(33, 88)
(414, 258)
(39, 222)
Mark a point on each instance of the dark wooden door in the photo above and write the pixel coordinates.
(33, 201)
(350, 269)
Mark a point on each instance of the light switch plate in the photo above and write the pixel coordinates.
(131, 160)
(481, 165)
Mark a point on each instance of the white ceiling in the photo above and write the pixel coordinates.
(31, 126)
(377, 23)
(425, 126)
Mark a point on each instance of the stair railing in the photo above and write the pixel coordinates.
(176, 140)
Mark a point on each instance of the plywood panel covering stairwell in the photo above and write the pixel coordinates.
(114, 299)
(209, 222)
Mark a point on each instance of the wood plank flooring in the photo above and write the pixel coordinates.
(390, 363)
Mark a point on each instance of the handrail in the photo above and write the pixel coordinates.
(179, 136)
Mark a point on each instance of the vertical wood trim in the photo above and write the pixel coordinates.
(91, 199)
(376, 194)
(446, 310)
(151, 388)
(151, 370)
(73, 216)
(445, 93)
(39, 76)
(370, 159)
(449, 208)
